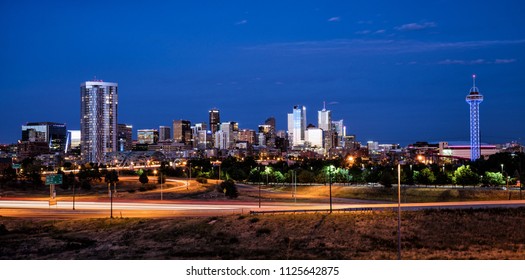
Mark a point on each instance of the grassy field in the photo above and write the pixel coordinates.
(432, 234)
(412, 194)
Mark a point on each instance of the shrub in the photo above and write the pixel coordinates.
(228, 188)
(85, 185)
(254, 220)
(202, 180)
(262, 231)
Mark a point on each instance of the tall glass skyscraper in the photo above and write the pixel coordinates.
(324, 119)
(98, 119)
(297, 125)
(215, 120)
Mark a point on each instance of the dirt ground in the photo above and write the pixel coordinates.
(431, 234)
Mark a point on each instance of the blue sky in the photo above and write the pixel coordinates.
(395, 71)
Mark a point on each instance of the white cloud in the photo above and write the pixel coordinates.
(415, 26)
(362, 46)
(363, 32)
(504, 61)
(241, 22)
(332, 19)
(475, 61)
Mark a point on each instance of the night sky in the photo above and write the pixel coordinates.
(395, 71)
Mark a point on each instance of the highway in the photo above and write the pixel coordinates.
(99, 209)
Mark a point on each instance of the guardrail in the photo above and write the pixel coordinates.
(343, 210)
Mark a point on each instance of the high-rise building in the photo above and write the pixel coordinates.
(215, 120)
(164, 133)
(324, 119)
(271, 122)
(297, 125)
(73, 140)
(54, 134)
(339, 127)
(227, 135)
(124, 137)
(98, 119)
(314, 137)
(474, 99)
(200, 135)
(182, 131)
(247, 135)
(148, 136)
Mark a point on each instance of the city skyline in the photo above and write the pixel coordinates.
(393, 76)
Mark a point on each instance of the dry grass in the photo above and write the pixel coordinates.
(432, 234)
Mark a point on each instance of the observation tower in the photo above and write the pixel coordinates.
(474, 98)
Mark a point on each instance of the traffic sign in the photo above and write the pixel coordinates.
(55, 179)
(17, 166)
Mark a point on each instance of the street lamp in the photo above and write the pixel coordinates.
(160, 178)
(399, 211)
(330, 178)
(502, 168)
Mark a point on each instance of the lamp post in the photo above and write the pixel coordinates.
(160, 178)
(330, 178)
(74, 183)
(502, 168)
(398, 211)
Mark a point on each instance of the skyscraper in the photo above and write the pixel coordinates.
(324, 119)
(124, 137)
(474, 99)
(98, 119)
(182, 131)
(215, 120)
(164, 133)
(297, 125)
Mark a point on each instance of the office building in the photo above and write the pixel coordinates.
(148, 136)
(182, 131)
(98, 119)
(124, 137)
(164, 133)
(314, 137)
(247, 135)
(324, 119)
(54, 134)
(215, 120)
(297, 125)
(73, 140)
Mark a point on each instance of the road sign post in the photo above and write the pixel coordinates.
(52, 180)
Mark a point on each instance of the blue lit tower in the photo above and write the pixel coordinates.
(474, 99)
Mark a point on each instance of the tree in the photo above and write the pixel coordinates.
(493, 179)
(386, 179)
(112, 177)
(8, 175)
(465, 176)
(305, 176)
(228, 188)
(143, 178)
(425, 176)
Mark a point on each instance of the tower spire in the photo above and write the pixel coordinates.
(324, 105)
(474, 88)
